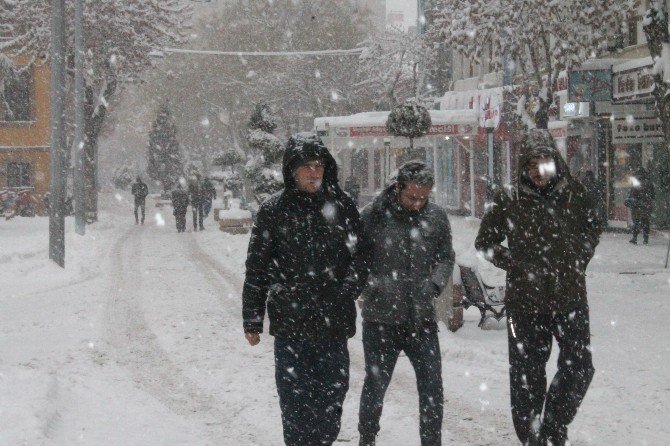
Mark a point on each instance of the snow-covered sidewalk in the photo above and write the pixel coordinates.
(139, 341)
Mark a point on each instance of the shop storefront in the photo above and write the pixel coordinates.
(365, 150)
(636, 132)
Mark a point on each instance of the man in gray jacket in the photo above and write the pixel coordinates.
(412, 261)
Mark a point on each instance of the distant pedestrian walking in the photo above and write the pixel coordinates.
(180, 206)
(641, 204)
(552, 229)
(140, 191)
(197, 198)
(411, 262)
(209, 194)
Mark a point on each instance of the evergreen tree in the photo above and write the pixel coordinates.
(165, 163)
(263, 169)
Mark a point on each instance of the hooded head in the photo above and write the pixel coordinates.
(539, 144)
(301, 150)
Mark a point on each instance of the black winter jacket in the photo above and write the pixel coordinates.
(411, 263)
(140, 190)
(179, 201)
(305, 259)
(551, 236)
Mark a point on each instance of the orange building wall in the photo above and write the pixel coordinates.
(30, 142)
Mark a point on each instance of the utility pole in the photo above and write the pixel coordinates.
(79, 133)
(58, 150)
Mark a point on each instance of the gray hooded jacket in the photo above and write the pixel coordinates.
(412, 260)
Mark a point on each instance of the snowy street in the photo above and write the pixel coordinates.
(139, 341)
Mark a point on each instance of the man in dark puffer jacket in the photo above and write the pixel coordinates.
(305, 262)
(552, 228)
(411, 264)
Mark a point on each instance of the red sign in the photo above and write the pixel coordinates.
(435, 130)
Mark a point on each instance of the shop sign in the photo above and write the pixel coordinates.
(590, 85)
(436, 129)
(638, 130)
(559, 132)
(572, 110)
(633, 84)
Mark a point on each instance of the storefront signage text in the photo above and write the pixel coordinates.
(625, 131)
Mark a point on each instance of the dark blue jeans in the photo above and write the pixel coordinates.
(382, 345)
(530, 339)
(312, 381)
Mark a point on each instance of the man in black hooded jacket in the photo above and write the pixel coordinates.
(412, 260)
(552, 228)
(306, 264)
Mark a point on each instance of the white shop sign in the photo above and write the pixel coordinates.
(639, 130)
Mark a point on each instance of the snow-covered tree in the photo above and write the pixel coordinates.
(122, 177)
(393, 66)
(118, 35)
(164, 159)
(410, 120)
(541, 37)
(263, 169)
(229, 159)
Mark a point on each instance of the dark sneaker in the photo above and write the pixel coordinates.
(633, 241)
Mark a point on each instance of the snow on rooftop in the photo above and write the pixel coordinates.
(378, 118)
(633, 64)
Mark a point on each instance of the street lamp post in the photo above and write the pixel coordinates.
(490, 172)
(58, 150)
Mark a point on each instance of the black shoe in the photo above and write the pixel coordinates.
(201, 228)
(367, 440)
(633, 241)
(646, 242)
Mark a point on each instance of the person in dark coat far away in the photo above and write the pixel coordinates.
(552, 229)
(180, 206)
(411, 263)
(209, 194)
(305, 263)
(196, 196)
(641, 204)
(140, 192)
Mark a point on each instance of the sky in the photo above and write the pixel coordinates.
(408, 8)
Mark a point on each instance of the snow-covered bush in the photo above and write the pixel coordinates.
(410, 120)
(122, 177)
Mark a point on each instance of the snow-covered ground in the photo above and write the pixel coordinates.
(139, 341)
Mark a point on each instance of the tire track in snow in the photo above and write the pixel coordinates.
(217, 275)
(136, 347)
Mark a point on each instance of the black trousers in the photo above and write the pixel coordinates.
(139, 205)
(180, 218)
(382, 345)
(530, 341)
(312, 382)
(641, 223)
(197, 216)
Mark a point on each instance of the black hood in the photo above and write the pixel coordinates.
(539, 143)
(301, 148)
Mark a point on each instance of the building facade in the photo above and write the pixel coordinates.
(25, 130)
